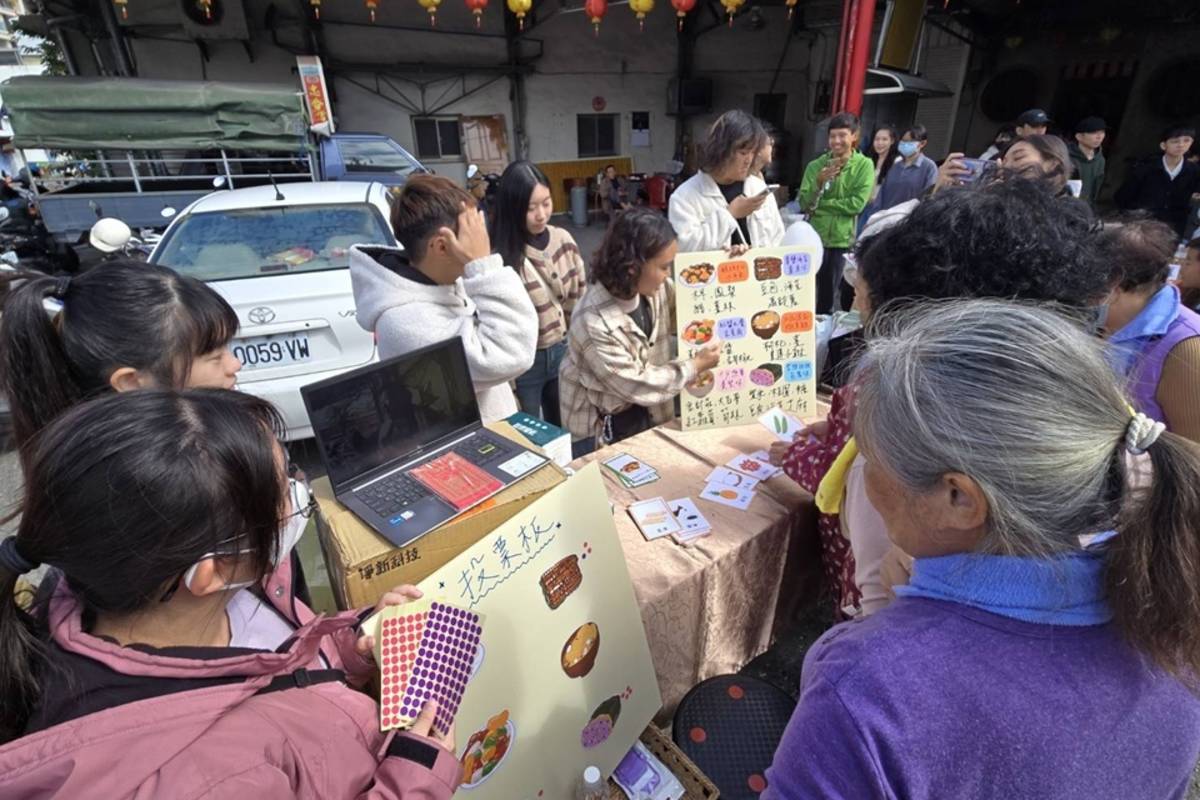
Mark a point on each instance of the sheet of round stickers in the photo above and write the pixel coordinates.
(425, 651)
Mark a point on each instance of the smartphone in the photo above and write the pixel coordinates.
(977, 169)
(771, 188)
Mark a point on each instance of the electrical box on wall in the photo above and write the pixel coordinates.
(639, 129)
(214, 19)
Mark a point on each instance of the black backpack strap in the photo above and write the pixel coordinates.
(302, 678)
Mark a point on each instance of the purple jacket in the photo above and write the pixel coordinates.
(1157, 343)
(931, 700)
(194, 723)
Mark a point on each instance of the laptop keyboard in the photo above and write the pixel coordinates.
(396, 492)
(393, 493)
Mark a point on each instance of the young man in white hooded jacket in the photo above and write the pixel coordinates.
(445, 282)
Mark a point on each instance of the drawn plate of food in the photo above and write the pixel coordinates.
(698, 274)
(486, 750)
(700, 331)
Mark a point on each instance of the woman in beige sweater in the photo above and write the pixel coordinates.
(619, 377)
(552, 270)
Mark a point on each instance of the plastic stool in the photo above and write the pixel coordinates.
(730, 726)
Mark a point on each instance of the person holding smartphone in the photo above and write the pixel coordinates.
(837, 186)
(1036, 157)
(723, 206)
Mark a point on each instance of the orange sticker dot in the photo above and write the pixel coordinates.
(733, 272)
(698, 735)
(796, 322)
(736, 692)
(757, 783)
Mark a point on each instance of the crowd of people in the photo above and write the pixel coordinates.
(1008, 480)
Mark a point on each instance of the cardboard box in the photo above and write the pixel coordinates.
(551, 439)
(363, 565)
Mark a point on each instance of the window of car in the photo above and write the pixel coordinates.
(255, 242)
(377, 156)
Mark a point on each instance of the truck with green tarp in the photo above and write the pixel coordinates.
(141, 150)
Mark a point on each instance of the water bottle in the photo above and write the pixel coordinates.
(591, 785)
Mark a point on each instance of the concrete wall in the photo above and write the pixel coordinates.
(943, 59)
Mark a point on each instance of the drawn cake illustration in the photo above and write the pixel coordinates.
(560, 580)
(604, 719)
(767, 268)
(580, 651)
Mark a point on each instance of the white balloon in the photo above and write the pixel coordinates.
(803, 234)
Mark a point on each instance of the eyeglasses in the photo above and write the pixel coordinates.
(304, 505)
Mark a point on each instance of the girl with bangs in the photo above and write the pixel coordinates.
(123, 326)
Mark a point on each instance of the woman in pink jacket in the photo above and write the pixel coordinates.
(139, 678)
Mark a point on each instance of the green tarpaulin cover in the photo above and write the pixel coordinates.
(133, 114)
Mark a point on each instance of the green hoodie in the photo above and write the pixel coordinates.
(834, 217)
(1091, 173)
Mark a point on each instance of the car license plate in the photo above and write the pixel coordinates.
(257, 352)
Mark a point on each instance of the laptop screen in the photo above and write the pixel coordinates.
(381, 413)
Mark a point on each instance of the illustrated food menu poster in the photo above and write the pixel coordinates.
(565, 678)
(759, 307)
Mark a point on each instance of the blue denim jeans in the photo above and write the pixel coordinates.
(537, 389)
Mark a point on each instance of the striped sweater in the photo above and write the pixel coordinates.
(555, 279)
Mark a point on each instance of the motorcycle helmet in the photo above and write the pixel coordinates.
(109, 235)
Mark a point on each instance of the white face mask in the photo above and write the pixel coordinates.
(289, 536)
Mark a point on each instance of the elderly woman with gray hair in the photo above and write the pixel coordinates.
(1019, 661)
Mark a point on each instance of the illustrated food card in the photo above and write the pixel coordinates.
(759, 308)
(562, 678)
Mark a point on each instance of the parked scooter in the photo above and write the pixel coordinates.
(114, 239)
(24, 242)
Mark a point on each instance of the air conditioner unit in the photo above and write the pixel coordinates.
(214, 19)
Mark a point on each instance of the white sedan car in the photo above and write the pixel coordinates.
(283, 264)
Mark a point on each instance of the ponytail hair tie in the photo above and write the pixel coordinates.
(1141, 433)
(11, 558)
(61, 286)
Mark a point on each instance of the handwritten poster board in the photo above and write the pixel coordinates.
(565, 680)
(759, 307)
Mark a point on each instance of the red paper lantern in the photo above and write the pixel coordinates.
(477, 7)
(596, 9)
(682, 7)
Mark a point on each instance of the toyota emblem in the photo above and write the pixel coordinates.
(261, 315)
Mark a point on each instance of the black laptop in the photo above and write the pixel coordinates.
(387, 429)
